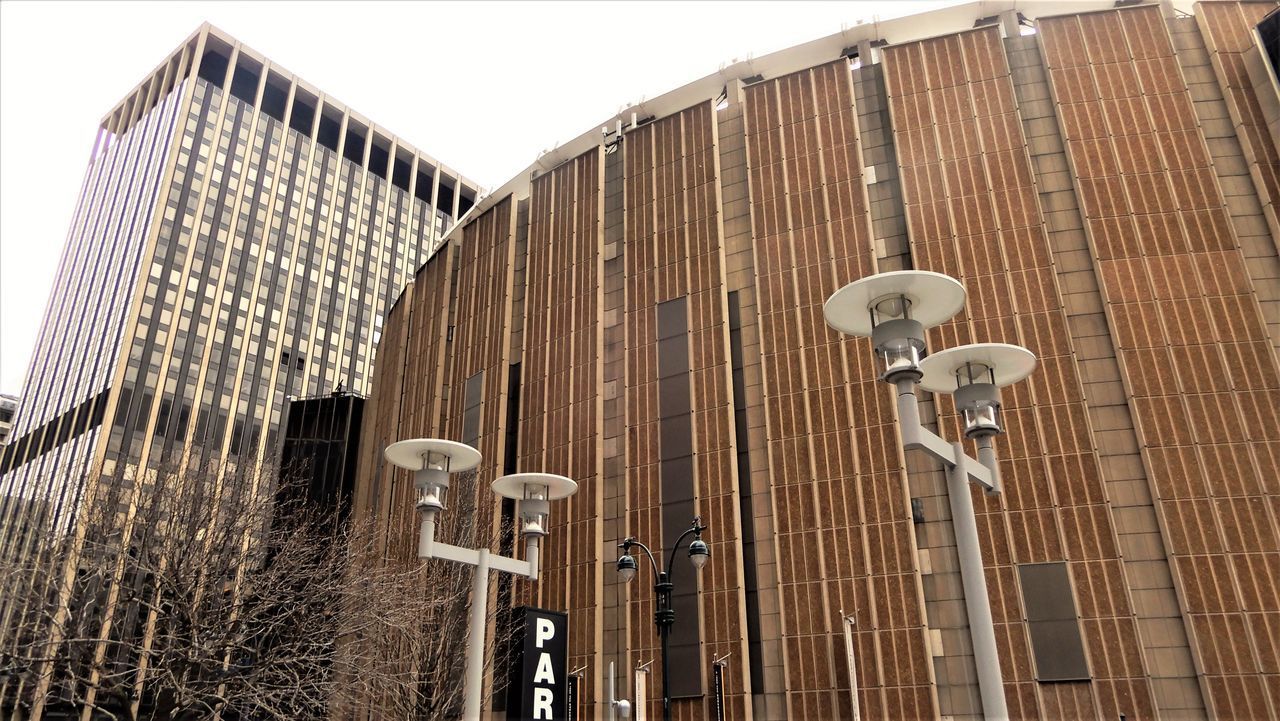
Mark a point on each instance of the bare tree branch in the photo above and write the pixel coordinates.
(229, 601)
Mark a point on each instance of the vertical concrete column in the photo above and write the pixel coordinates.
(1161, 630)
(615, 632)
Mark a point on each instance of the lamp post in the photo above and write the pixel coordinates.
(664, 616)
(894, 309)
(432, 461)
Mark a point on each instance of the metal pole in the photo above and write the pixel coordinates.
(475, 641)
(664, 617)
(613, 697)
(853, 665)
(976, 601)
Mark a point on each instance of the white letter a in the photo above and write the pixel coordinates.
(544, 674)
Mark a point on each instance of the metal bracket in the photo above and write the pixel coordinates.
(916, 436)
(471, 557)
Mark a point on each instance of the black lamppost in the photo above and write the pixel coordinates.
(665, 615)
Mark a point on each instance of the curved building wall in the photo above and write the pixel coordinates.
(642, 311)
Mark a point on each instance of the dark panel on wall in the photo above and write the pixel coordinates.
(1052, 623)
(750, 574)
(675, 475)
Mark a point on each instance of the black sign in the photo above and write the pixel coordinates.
(538, 683)
(717, 691)
(571, 698)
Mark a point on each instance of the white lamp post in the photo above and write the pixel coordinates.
(894, 309)
(432, 461)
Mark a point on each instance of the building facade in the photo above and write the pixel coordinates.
(320, 441)
(8, 409)
(237, 240)
(641, 310)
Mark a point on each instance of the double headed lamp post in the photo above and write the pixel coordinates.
(665, 615)
(432, 461)
(894, 309)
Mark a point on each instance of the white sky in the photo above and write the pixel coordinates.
(483, 87)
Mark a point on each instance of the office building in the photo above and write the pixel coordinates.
(238, 237)
(8, 409)
(318, 451)
(641, 310)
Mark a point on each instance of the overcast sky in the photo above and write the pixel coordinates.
(483, 87)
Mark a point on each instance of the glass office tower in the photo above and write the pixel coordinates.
(238, 236)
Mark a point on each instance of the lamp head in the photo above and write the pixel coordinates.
(534, 493)
(627, 566)
(973, 375)
(432, 486)
(699, 553)
(894, 309)
(432, 460)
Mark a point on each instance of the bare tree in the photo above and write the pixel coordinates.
(201, 595)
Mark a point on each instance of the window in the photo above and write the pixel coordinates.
(1269, 35)
(676, 478)
(1053, 622)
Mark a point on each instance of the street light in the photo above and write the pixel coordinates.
(894, 309)
(431, 461)
(665, 615)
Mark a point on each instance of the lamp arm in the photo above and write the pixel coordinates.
(697, 527)
(628, 542)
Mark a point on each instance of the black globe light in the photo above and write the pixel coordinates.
(627, 567)
(699, 553)
(664, 615)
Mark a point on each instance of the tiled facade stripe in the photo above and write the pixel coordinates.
(561, 398)
(1226, 42)
(673, 251)
(1166, 652)
(769, 696)
(1180, 308)
(974, 213)
(844, 536)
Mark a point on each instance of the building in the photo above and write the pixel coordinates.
(8, 409)
(318, 451)
(237, 240)
(641, 310)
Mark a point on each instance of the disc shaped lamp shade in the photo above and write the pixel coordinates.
(894, 309)
(974, 374)
(534, 492)
(419, 453)
(432, 460)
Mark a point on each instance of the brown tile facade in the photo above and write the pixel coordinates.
(844, 539)
(1098, 190)
(1200, 372)
(973, 213)
(673, 250)
(1227, 28)
(561, 393)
